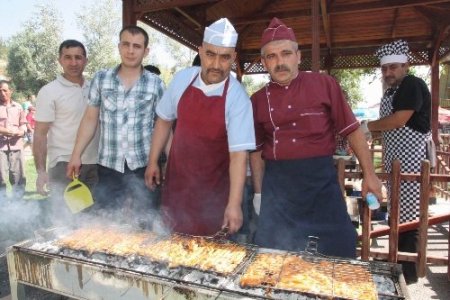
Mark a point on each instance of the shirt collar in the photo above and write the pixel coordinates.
(13, 103)
(209, 87)
(66, 82)
(276, 84)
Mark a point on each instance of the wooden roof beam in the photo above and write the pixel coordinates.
(155, 5)
(434, 16)
(335, 10)
(247, 29)
(264, 18)
(315, 28)
(187, 16)
(326, 21)
(382, 5)
(394, 23)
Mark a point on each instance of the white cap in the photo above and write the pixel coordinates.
(393, 58)
(221, 33)
(395, 52)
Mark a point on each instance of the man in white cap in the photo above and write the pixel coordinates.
(405, 111)
(296, 117)
(206, 167)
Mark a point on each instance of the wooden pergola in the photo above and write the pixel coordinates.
(332, 34)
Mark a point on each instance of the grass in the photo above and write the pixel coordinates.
(31, 175)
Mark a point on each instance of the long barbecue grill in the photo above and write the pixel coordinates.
(144, 265)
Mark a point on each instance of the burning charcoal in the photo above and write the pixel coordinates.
(100, 257)
(384, 284)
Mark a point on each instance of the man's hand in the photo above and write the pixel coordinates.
(152, 176)
(371, 183)
(8, 132)
(257, 203)
(42, 183)
(20, 131)
(232, 218)
(73, 167)
(366, 130)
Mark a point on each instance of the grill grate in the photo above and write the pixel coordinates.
(385, 276)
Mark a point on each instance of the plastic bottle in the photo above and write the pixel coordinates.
(372, 201)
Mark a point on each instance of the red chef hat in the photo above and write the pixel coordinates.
(277, 30)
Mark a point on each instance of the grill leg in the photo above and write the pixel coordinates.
(17, 288)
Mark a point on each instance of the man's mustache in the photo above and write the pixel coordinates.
(215, 71)
(282, 68)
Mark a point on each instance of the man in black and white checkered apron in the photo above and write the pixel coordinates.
(405, 125)
(409, 146)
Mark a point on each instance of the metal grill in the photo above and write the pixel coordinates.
(78, 274)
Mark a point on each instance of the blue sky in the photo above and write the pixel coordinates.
(14, 13)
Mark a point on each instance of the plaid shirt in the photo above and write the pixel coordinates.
(127, 118)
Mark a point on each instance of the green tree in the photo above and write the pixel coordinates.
(101, 23)
(3, 56)
(3, 50)
(253, 84)
(350, 81)
(33, 52)
(167, 54)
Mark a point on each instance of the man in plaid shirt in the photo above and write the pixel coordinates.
(122, 102)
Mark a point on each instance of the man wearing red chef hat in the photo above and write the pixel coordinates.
(296, 117)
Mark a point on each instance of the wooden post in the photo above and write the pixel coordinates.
(367, 217)
(239, 72)
(423, 218)
(395, 211)
(341, 175)
(128, 14)
(435, 101)
(315, 26)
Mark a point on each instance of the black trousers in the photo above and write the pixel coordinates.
(123, 197)
(407, 242)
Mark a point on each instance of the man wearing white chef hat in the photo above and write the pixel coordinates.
(206, 167)
(405, 112)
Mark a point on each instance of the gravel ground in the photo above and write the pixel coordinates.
(434, 286)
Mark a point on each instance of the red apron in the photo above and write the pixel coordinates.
(196, 188)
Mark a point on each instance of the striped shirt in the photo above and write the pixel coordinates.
(127, 118)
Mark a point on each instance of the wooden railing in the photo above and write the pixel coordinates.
(438, 189)
(441, 189)
(425, 178)
(445, 103)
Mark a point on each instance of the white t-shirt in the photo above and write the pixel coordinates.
(63, 103)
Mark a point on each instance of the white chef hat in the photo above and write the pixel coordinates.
(221, 33)
(395, 52)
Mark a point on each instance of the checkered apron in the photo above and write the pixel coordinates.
(409, 146)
